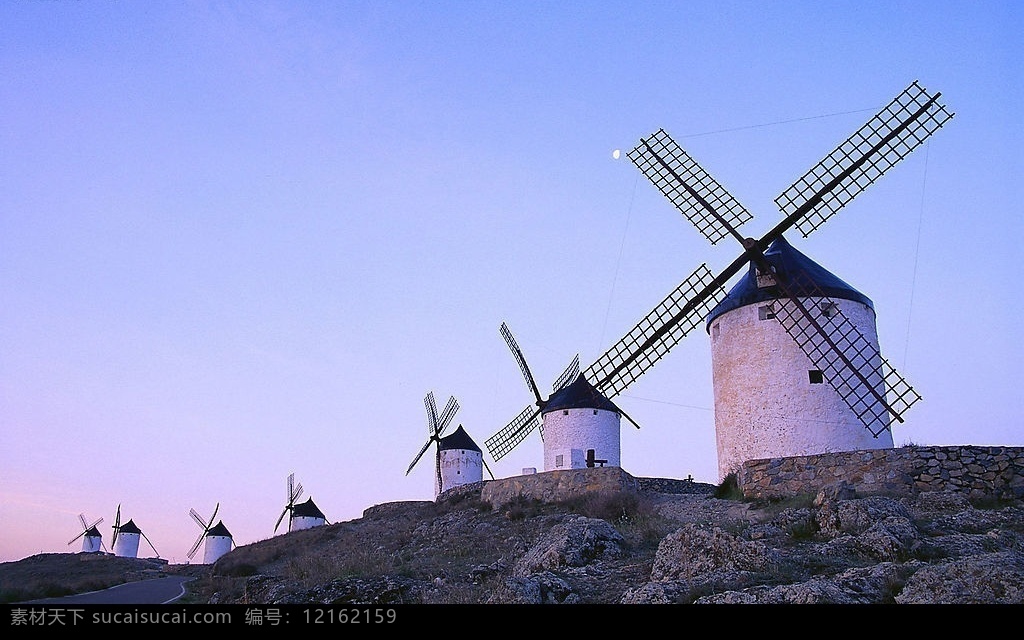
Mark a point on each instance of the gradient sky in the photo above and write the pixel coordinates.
(244, 239)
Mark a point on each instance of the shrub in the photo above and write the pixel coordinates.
(612, 506)
(522, 507)
(729, 489)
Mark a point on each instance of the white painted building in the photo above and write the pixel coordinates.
(461, 461)
(306, 516)
(92, 540)
(218, 542)
(127, 544)
(580, 428)
(770, 400)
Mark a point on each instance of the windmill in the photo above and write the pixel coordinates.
(577, 419)
(92, 540)
(303, 515)
(456, 453)
(126, 538)
(217, 537)
(868, 388)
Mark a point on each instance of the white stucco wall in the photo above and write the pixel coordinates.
(91, 544)
(570, 432)
(127, 545)
(459, 467)
(216, 546)
(765, 404)
(304, 522)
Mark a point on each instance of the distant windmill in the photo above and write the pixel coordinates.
(458, 459)
(576, 419)
(126, 538)
(217, 537)
(92, 540)
(300, 516)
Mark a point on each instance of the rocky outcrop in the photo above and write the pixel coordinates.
(932, 548)
(600, 536)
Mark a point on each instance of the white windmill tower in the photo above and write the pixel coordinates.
(579, 425)
(790, 339)
(92, 539)
(304, 515)
(458, 459)
(127, 537)
(771, 399)
(218, 538)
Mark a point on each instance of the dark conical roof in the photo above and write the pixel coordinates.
(458, 439)
(219, 530)
(307, 509)
(93, 532)
(803, 273)
(129, 527)
(580, 394)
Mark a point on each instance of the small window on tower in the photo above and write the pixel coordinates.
(767, 312)
(558, 460)
(565, 412)
(828, 308)
(595, 412)
(816, 376)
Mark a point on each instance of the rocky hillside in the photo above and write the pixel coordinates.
(669, 542)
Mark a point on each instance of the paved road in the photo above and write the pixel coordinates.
(153, 591)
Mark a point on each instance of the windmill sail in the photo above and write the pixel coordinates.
(294, 493)
(528, 419)
(436, 426)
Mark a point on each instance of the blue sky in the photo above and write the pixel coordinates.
(240, 240)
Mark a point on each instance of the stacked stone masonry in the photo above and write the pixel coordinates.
(978, 471)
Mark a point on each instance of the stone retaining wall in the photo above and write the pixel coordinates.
(554, 486)
(978, 471)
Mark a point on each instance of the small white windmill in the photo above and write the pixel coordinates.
(127, 537)
(92, 540)
(578, 424)
(301, 516)
(458, 459)
(218, 538)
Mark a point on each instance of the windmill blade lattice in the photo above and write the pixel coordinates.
(502, 442)
(294, 493)
(205, 525)
(568, 375)
(85, 527)
(436, 426)
(849, 362)
(691, 189)
(887, 138)
(656, 334)
(521, 360)
(116, 526)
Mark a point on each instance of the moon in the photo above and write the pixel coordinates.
(615, 154)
